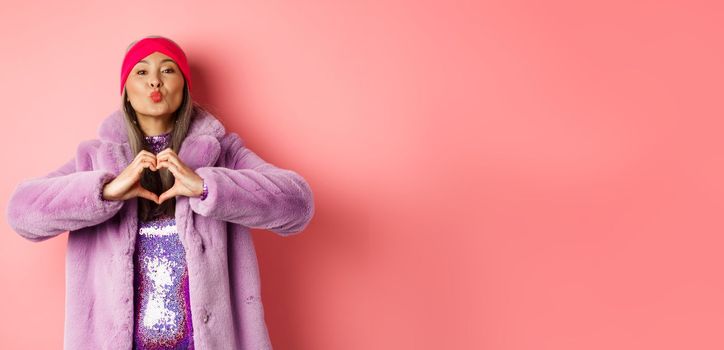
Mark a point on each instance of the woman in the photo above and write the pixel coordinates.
(158, 210)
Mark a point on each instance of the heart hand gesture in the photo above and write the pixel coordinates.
(187, 182)
(128, 183)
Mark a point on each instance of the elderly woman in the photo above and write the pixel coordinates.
(158, 210)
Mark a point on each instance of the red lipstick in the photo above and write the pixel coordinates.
(156, 96)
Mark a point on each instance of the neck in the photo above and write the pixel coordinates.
(155, 125)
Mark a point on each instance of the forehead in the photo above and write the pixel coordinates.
(155, 58)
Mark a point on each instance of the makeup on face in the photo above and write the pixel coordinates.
(156, 96)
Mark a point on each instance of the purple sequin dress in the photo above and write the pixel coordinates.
(162, 312)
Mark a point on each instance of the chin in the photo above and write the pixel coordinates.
(154, 112)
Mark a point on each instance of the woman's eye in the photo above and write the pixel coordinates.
(169, 70)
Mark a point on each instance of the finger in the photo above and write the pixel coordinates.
(151, 165)
(146, 157)
(146, 152)
(142, 192)
(174, 170)
(173, 160)
(166, 150)
(167, 155)
(145, 164)
(139, 163)
(170, 193)
(143, 154)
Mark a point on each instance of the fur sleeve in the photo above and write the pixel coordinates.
(63, 200)
(254, 193)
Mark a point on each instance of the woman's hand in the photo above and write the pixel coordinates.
(128, 183)
(187, 182)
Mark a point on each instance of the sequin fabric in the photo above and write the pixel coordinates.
(157, 143)
(162, 309)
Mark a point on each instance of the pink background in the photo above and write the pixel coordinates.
(487, 175)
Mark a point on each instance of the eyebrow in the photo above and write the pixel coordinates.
(166, 59)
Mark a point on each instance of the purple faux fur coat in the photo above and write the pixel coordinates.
(224, 286)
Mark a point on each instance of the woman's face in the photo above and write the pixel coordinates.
(156, 72)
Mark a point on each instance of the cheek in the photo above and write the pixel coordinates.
(134, 88)
(178, 83)
(178, 88)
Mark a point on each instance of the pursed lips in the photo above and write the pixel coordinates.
(156, 95)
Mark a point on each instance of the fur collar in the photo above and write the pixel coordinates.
(200, 148)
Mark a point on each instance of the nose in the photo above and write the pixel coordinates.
(154, 81)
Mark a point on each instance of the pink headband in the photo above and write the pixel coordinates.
(147, 46)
